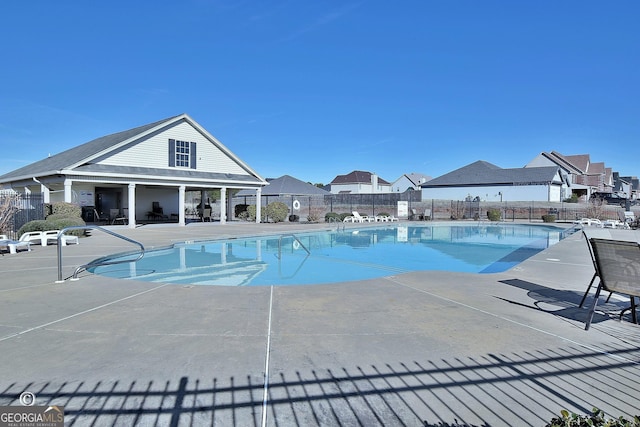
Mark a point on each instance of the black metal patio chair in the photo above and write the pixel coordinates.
(618, 266)
(595, 274)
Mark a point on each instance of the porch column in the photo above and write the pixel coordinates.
(181, 190)
(223, 205)
(46, 196)
(132, 206)
(67, 191)
(258, 204)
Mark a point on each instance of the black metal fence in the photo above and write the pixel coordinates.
(316, 207)
(21, 208)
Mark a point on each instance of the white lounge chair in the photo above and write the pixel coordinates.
(32, 236)
(13, 245)
(589, 221)
(362, 218)
(52, 236)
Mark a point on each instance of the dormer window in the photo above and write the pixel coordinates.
(182, 154)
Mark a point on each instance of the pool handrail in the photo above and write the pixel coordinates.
(295, 238)
(92, 264)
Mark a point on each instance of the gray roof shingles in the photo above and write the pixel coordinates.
(77, 154)
(485, 173)
(287, 185)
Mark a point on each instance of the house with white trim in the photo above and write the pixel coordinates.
(583, 177)
(359, 182)
(141, 173)
(409, 181)
(484, 181)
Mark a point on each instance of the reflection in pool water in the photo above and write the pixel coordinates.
(339, 256)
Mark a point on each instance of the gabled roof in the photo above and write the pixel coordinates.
(75, 155)
(561, 161)
(485, 173)
(597, 168)
(357, 177)
(82, 157)
(415, 178)
(580, 161)
(286, 185)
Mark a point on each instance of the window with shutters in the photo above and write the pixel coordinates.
(182, 154)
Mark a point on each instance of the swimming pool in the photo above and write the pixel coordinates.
(338, 255)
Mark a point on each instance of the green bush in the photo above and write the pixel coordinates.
(276, 211)
(331, 217)
(294, 218)
(249, 214)
(549, 218)
(572, 199)
(343, 216)
(595, 419)
(53, 222)
(493, 214)
(55, 217)
(65, 209)
(59, 223)
(36, 225)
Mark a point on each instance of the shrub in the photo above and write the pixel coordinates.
(294, 218)
(315, 214)
(549, 218)
(65, 209)
(249, 214)
(344, 215)
(36, 225)
(276, 211)
(55, 217)
(493, 214)
(331, 217)
(60, 223)
(54, 222)
(595, 419)
(383, 214)
(572, 199)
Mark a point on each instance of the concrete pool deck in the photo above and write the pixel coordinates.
(418, 349)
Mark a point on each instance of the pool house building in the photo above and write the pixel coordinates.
(141, 174)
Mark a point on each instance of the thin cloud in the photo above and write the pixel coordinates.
(324, 20)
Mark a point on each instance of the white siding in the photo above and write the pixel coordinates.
(401, 185)
(491, 193)
(153, 152)
(555, 193)
(360, 188)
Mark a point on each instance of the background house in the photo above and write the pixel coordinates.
(141, 173)
(582, 177)
(410, 181)
(487, 182)
(359, 182)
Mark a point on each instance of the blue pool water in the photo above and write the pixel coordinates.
(339, 256)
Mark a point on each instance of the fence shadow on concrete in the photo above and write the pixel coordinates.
(566, 303)
(519, 388)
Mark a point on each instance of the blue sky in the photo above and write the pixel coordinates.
(316, 89)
